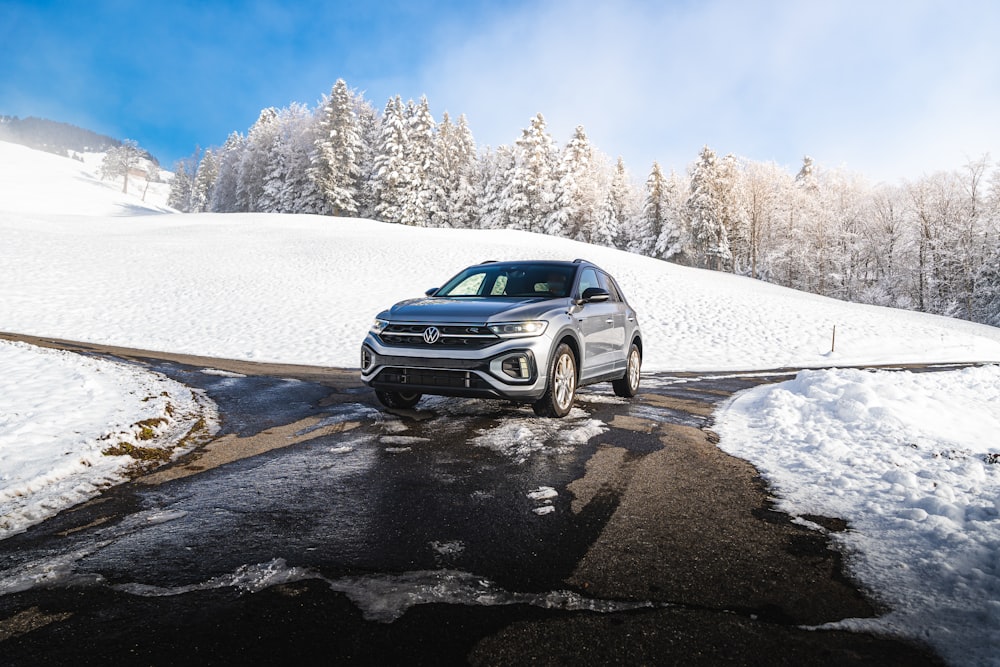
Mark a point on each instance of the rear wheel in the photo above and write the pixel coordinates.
(628, 385)
(561, 390)
(397, 399)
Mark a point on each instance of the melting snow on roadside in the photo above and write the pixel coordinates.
(912, 462)
(66, 421)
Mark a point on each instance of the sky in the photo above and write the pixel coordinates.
(890, 89)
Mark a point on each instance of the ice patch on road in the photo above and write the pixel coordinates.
(381, 598)
(221, 373)
(385, 598)
(246, 578)
(403, 440)
(543, 493)
(602, 398)
(520, 438)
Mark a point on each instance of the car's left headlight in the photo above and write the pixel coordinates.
(378, 326)
(518, 329)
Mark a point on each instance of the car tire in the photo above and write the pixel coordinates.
(628, 385)
(560, 390)
(396, 399)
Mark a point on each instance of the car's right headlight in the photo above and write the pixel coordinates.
(518, 329)
(378, 326)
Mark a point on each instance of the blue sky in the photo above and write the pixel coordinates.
(888, 88)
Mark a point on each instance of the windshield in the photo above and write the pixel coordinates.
(547, 281)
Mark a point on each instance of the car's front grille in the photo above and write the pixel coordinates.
(449, 336)
(430, 377)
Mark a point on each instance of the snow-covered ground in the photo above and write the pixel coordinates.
(68, 424)
(909, 459)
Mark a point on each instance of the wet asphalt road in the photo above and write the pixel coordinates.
(319, 528)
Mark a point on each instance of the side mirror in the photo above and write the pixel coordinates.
(595, 295)
(431, 292)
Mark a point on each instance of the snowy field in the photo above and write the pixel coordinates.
(910, 460)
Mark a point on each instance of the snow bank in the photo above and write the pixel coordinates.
(912, 462)
(67, 421)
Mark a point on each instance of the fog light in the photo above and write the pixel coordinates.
(367, 358)
(516, 367)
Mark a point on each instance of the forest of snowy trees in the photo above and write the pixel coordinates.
(932, 245)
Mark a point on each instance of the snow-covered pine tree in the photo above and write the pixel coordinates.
(578, 190)
(296, 192)
(733, 220)
(181, 185)
(674, 241)
(653, 218)
(416, 172)
(336, 161)
(369, 128)
(451, 174)
(275, 173)
(390, 163)
(531, 192)
(493, 173)
(705, 210)
(613, 223)
(224, 198)
(806, 178)
(465, 212)
(256, 166)
(204, 182)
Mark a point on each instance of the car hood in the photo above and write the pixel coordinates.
(471, 310)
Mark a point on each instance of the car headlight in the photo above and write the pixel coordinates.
(378, 326)
(518, 329)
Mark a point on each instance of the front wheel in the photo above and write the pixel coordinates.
(628, 385)
(561, 390)
(396, 399)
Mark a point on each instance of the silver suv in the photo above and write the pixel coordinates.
(525, 331)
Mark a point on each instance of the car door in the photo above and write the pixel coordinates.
(597, 322)
(617, 340)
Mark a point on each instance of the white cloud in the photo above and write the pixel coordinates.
(888, 89)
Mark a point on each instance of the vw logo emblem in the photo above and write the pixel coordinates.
(431, 335)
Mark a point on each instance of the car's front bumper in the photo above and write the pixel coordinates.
(449, 372)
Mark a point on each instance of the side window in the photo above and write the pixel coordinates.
(612, 288)
(588, 279)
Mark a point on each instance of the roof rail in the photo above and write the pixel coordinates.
(580, 261)
(488, 261)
